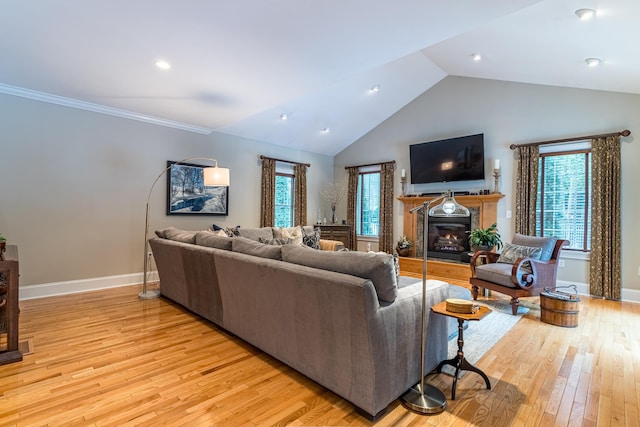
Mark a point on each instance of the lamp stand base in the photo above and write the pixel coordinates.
(432, 401)
(149, 294)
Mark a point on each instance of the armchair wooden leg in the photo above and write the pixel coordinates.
(515, 302)
(474, 292)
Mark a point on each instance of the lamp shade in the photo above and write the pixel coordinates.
(449, 207)
(216, 176)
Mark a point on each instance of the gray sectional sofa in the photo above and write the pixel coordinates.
(343, 319)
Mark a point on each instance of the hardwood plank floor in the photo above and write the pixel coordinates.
(107, 358)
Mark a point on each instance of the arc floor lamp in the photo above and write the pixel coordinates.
(422, 397)
(213, 175)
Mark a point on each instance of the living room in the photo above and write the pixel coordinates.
(74, 182)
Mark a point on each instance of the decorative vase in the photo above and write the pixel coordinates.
(475, 248)
(334, 219)
(403, 251)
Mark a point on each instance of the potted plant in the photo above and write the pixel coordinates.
(3, 243)
(485, 238)
(404, 246)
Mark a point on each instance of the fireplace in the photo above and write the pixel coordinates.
(447, 237)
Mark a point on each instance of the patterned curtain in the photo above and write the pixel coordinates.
(300, 196)
(385, 241)
(526, 189)
(605, 269)
(352, 198)
(268, 192)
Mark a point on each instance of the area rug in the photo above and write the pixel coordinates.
(26, 347)
(483, 334)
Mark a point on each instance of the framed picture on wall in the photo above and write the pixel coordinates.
(187, 194)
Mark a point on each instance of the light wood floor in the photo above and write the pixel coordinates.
(107, 358)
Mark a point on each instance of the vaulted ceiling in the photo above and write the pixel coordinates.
(238, 65)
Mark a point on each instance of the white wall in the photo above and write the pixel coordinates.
(73, 186)
(510, 113)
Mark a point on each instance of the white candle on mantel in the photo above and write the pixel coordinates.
(402, 173)
(497, 164)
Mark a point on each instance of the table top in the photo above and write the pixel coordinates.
(441, 308)
(10, 253)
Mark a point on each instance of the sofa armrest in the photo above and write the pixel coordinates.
(331, 245)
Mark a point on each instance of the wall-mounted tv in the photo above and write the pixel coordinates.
(454, 159)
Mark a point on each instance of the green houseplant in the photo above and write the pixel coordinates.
(3, 243)
(485, 238)
(404, 246)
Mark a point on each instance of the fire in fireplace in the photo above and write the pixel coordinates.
(447, 238)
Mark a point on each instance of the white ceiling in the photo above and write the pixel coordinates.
(237, 65)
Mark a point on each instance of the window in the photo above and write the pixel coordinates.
(564, 196)
(284, 196)
(368, 204)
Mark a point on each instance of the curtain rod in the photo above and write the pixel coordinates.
(370, 164)
(625, 132)
(285, 161)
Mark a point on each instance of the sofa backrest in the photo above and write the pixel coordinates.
(377, 267)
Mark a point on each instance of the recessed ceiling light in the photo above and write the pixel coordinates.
(163, 65)
(585, 14)
(375, 88)
(326, 130)
(593, 62)
(476, 57)
(284, 116)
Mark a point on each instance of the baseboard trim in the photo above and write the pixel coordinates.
(629, 295)
(76, 286)
(86, 285)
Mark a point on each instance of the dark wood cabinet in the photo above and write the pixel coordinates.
(337, 232)
(9, 301)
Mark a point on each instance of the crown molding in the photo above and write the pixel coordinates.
(97, 108)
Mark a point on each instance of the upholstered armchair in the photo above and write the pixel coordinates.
(525, 267)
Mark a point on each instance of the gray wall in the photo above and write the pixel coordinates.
(73, 186)
(509, 113)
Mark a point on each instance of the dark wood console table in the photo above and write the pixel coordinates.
(337, 232)
(9, 272)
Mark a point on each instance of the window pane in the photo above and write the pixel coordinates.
(564, 199)
(368, 204)
(283, 215)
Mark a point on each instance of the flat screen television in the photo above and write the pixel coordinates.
(454, 159)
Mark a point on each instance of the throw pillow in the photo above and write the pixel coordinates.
(311, 239)
(293, 233)
(511, 253)
(232, 231)
(547, 244)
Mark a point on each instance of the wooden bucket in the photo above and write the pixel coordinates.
(559, 308)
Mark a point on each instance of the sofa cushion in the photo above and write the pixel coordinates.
(293, 233)
(496, 272)
(545, 243)
(274, 241)
(175, 234)
(213, 240)
(256, 233)
(251, 247)
(378, 268)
